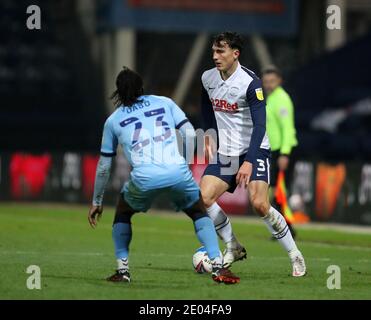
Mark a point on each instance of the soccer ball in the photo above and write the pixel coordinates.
(201, 261)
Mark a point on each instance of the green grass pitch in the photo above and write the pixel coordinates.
(74, 259)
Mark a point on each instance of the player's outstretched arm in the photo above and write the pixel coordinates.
(94, 215)
(208, 122)
(101, 179)
(209, 148)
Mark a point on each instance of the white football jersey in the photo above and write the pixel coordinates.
(229, 100)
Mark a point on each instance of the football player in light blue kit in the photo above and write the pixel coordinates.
(144, 125)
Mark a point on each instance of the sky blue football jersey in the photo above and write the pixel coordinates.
(146, 132)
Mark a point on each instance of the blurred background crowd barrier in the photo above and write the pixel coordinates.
(336, 192)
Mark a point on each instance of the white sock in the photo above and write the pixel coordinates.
(217, 262)
(222, 225)
(122, 264)
(277, 225)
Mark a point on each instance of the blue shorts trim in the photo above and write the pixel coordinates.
(226, 168)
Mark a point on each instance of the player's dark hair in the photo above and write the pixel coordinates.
(233, 39)
(271, 69)
(129, 86)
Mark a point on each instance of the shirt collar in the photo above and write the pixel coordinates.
(233, 75)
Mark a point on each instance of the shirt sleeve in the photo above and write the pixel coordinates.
(256, 102)
(101, 178)
(109, 140)
(208, 116)
(188, 136)
(178, 114)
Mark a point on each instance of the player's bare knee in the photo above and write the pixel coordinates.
(123, 212)
(208, 194)
(123, 217)
(196, 211)
(208, 199)
(260, 205)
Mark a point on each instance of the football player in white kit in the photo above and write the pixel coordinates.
(233, 104)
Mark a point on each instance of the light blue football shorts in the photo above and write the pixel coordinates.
(183, 195)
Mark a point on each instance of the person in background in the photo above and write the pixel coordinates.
(280, 128)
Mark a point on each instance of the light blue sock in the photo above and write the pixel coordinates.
(206, 233)
(121, 235)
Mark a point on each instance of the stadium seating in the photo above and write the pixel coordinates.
(37, 82)
(334, 88)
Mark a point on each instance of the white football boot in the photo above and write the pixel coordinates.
(232, 254)
(298, 264)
